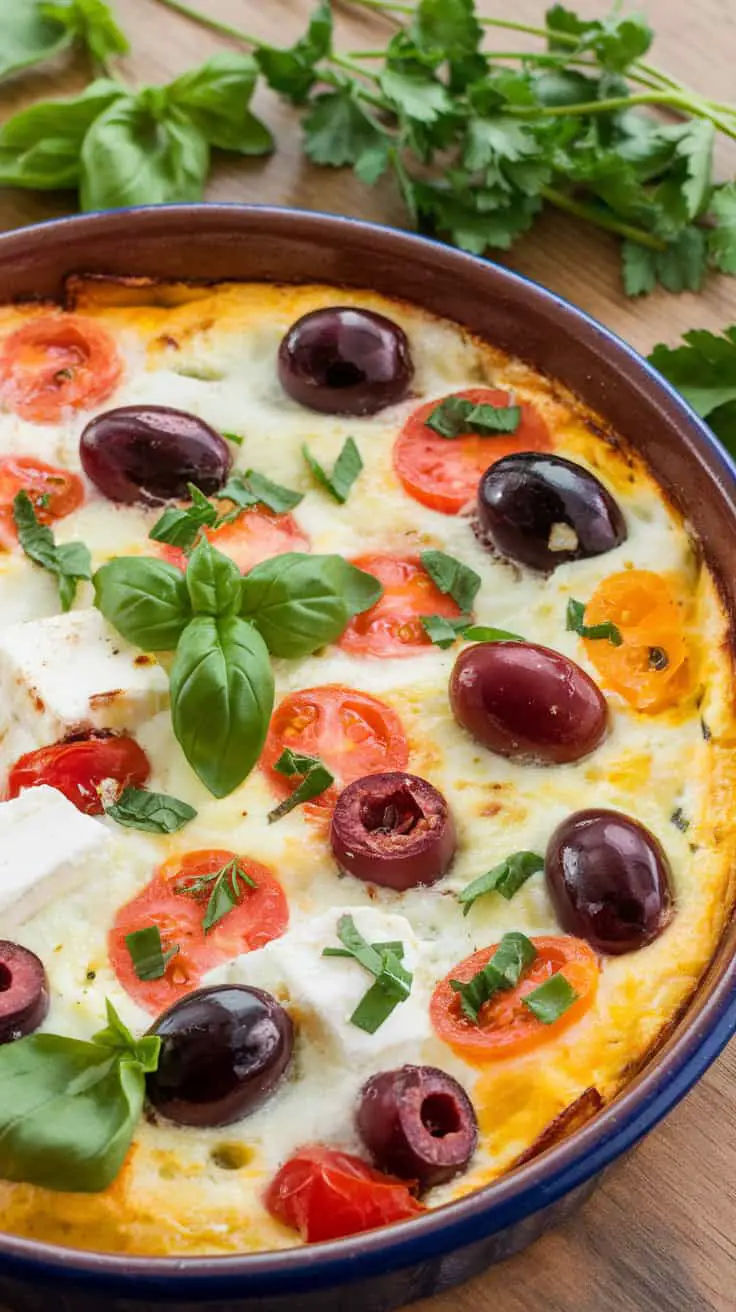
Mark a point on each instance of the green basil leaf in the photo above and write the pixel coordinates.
(485, 633)
(147, 952)
(506, 878)
(40, 146)
(552, 999)
(504, 970)
(140, 152)
(575, 623)
(233, 437)
(215, 99)
(347, 468)
(456, 416)
(69, 562)
(316, 778)
(117, 1036)
(452, 577)
(145, 599)
(69, 1109)
(300, 602)
(214, 581)
(27, 36)
(442, 631)
(383, 960)
(180, 526)
(250, 488)
(222, 692)
(91, 23)
(157, 813)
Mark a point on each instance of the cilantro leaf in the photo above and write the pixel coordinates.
(704, 370)
(638, 268)
(338, 130)
(722, 239)
(292, 71)
(616, 42)
(415, 95)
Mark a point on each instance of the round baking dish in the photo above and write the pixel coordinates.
(387, 1268)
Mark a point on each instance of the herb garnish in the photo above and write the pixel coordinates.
(315, 779)
(31, 33)
(235, 438)
(506, 878)
(680, 820)
(552, 999)
(180, 526)
(156, 813)
(444, 632)
(223, 887)
(392, 981)
(147, 952)
(504, 970)
(575, 623)
(703, 368)
(344, 473)
(250, 488)
(455, 416)
(70, 562)
(452, 577)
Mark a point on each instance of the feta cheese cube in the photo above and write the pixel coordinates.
(72, 672)
(47, 848)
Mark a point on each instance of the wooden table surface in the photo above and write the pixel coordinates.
(660, 1233)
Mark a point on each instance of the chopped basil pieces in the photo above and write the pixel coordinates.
(224, 889)
(575, 623)
(157, 813)
(233, 437)
(452, 577)
(444, 632)
(69, 561)
(680, 820)
(180, 526)
(456, 416)
(250, 488)
(147, 952)
(345, 471)
(486, 633)
(315, 779)
(506, 878)
(504, 970)
(552, 999)
(384, 960)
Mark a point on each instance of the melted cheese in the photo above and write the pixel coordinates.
(212, 351)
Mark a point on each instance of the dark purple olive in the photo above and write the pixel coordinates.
(24, 992)
(223, 1051)
(345, 361)
(150, 453)
(393, 829)
(609, 880)
(540, 510)
(527, 702)
(417, 1123)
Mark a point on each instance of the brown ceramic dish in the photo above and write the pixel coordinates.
(385, 1269)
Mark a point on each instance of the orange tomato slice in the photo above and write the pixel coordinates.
(650, 669)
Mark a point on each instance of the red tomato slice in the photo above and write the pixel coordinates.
(255, 535)
(352, 733)
(56, 362)
(392, 626)
(325, 1194)
(262, 915)
(54, 492)
(506, 1027)
(443, 473)
(91, 771)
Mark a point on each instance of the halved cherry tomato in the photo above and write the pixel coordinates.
(262, 914)
(351, 732)
(443, 473)
(254, 536)
(505, 1026)
(650, 668)
(325, 1194)
(90, 770)
(392, 626)
(55, 362)
(54, 492)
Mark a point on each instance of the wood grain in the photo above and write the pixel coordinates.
(659, 1236)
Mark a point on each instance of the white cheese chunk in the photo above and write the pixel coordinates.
(47, 849)
(73, 672)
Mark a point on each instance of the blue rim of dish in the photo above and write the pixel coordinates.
(512, 1198)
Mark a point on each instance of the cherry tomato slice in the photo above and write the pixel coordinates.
(54, 492)
(325, 1194)
(392, 627)
(352, 733)
(91, 771)
(254, 536)
(262, 914)
(56, 362)
(650, 667)
(506, 1027)
(443, 473)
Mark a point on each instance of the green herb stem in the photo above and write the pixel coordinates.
(605, 221)
(214, 24)
(673, 99)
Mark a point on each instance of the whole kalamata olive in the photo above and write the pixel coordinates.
(609, 880)
(345, 361)
(527, 702)
(24, 992)
(150, 453)
(418, 1123)
(393, 829)
(223, 1051)
(540, 510)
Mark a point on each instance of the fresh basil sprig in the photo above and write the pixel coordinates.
(32, 31)
(506, 878)
(69, 1109)
(156, 813)
(392, 980)
(315, 778)
(575, 623)
(344, 473)
(146, 952)
(452, 577)
(69, 561)
(299, 602)
(455, 416)
(504, 970)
